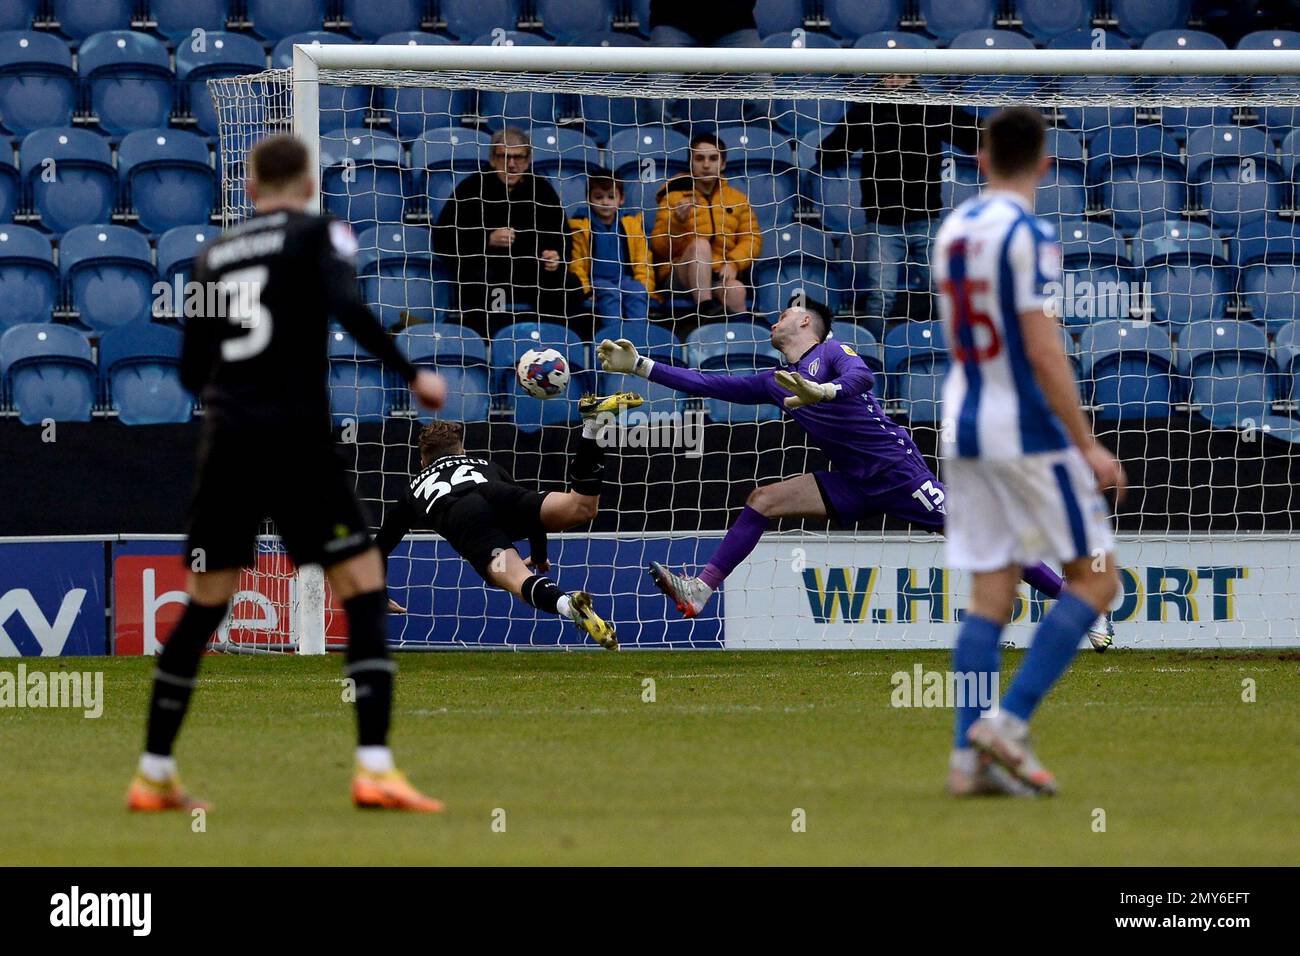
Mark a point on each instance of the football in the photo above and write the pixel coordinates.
(543, 373)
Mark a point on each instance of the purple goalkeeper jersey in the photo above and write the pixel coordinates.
(851, 429)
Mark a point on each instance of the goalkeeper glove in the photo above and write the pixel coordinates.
(622, 356)
(805, 392)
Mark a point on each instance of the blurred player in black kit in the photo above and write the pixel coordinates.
(260, 364)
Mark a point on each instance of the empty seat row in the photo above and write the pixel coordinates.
(106, 276)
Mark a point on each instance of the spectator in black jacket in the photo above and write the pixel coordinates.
(503, 236)
(902, 168)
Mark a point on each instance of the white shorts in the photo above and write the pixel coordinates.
(1042, 507)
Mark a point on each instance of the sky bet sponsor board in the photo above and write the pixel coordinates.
(52, 596)
(844, 593)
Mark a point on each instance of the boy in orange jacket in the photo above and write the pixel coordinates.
(610, 255)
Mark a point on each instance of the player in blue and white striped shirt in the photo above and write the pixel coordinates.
(1020, 462)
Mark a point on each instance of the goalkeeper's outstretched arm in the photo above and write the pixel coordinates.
(622, 356)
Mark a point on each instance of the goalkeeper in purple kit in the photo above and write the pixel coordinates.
(875, 466)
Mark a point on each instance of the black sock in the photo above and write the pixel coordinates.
(174, 680)
(369, 666)
(587, 469)
(541, 593)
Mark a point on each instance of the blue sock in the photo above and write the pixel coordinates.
(1050, 653)
(976, 652)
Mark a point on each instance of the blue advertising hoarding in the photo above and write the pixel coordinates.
(52, 598)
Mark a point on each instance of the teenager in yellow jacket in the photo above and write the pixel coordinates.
(705, 234)
(610, 256)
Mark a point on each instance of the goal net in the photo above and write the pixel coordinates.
(1171, 189)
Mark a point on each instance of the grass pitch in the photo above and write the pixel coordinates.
(712, 771)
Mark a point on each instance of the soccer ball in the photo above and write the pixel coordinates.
(543, 373)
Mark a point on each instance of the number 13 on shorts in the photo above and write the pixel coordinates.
(931, 496)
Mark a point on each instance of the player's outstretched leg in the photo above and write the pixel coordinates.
(376, 783)
(794, 498)
(509, 572)
(1101, 635)
(156, 785)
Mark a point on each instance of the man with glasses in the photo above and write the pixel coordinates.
(502, 235)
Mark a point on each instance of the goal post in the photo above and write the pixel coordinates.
(1173, 193)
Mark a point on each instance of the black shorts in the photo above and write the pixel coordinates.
(482, 523)
(298, 481)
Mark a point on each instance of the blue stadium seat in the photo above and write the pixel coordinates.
(11, 191)
(524, 108)
(1062, 192)
(1274, 117)
(178, 19)
(1097, 274)
(129, 78)
(362, 179)
(48, 371)
(222, 55)
(341, 107)
(79, 19)
(567, 19)
(852, 19)
(779, 16)
(947, 19)
(863, 341)
(1130, 369)
(372, 19)
(1234, 174)
(440, 158)
(109, 275)
(414, 109)
(1091, 119)
(802, 39)
(1141, 18)
(603, 116)
(1269, 274)
(640, 197)
(1233, 376)
(530, 413)
(168, 177)
(561, 152)
(1137, 174)
(461, 357)
(18, 14)
(467, 19)
(29, 280)
(401, 278)
(38, 86)
(774, 199)
(273, 20)
(1046, 19)
(649, 153)
(140, 366)
(1286, 352)
(177, 250)
(1191, 116)
(737, 348)
(795, 259)
(83, 188)
(838, 194)
(754, 149)
(916, 361)
(1175, 255)
(360, 389)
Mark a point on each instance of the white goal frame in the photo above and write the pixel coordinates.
(311, 61)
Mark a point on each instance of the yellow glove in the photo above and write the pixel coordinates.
(805, 392)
